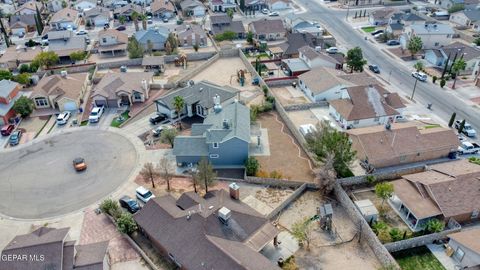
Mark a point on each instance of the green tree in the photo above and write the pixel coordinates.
(329, 141)
(110, 207)
(122, 19)
(384, 190)
(46, 59)
(477, 41)
(250, 37)
(38, 21)
(149, 173)
(23, 106)
(384, 236)
(452, 119)
(173, 41)
(414, 45)
(230, 13)
(456, 7)
(135, 50)
(355, 59)
(179, 105)
(442, 83)
(196, 46)
(22, 78)
(78, 55)
(64, 4)
(461, 127)
(126, 224)
(445, 68)
(434, 225)
(418, 66)
(135, 16)
(379, 226)
(143, 18)
(302, 231)
(24, 68)
(396, 234)
(5, 74)
(251, 166)
(242, 5)
(457, 66)
(168, 136)
(227, 35)
(205, 174)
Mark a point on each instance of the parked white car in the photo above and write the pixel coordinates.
(95, 115)
(62, 118)
(332, 50)
(144, 194)
(419, 76)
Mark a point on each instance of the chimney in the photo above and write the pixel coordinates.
(234, 191)
(224, 214)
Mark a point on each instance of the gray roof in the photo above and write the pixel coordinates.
(239, 117)
(201, 92)
(472, 14)
(157, 35)
(411, 17)
(439, 29)
(234, 26)
(190, 146)
(187, 4)
(41, 236)
(264, 26)
(468, 52)
(202, 241)
(296, 64)
(220, 19)
(27, 19)
(96, 11)
(396, 26)
(6, 87)
(90, 254)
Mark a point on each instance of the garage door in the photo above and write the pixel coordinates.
(2, 122)
(100, 22)
(69, 106)
(112, 103)
(17, 31)
(99, 103)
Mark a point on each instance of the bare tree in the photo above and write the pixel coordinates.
(165, 172)
(149, 172)
(205, 174)
(326, 176)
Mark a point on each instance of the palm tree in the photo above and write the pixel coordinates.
(135, 17)
(143, 18)
(179, 104)
(458, 66)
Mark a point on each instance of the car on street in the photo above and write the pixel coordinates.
(273, 14)
(265, 11)
(165, 19)
(15, 138)
(380, 31)
(81, 32)
(144, 194)
(130, 204)
(121, 28)
(468, 148)
(96, 114)
(7, 129)
(374, 68)
(157, 118)
(467, 128)
(79, 164)
(393, 42)
(62, 118)
(332, 50)
(419, 76)
(156, 132)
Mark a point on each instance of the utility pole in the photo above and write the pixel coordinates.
(389, 75)
(348, 10)
(414, 87)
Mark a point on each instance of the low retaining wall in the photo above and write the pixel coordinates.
(71, 68)
(297, 193)
(281, 81)
(190, 74)
(419, 241)
(117, 64)
(272, 182)
(383, 176)
(366, 233)
(306, 106)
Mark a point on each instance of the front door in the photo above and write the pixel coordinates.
(124, 100)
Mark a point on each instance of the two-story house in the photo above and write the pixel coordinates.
(8, 95)
(126, 11)
(198, 99)
(223, 138)
(189, 35)
(22, 24)
(193, 8)
(98, 16)
(265, 29)
(433, 35)
(162, 9)
(220, 23)
(363, 106)
(112, 42)
(65, 19)
(221, 5)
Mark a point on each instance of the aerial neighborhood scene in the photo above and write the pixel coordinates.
(239, 134)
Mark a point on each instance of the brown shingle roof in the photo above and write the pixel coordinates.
(422, 207)
(90, 254)
(264, 26)
(122, 38)
(58, 87)
(162, 5)
(112, 83)
(365, 102)
(468, 238)
(322, 79)
(66, 14)
(22, 54)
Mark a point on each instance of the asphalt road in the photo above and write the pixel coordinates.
(444, 103)
(39, 181)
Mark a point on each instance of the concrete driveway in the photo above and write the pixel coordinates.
(38, 180)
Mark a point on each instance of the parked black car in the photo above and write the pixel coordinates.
(374, 68)
(393, 42)
(157, 118)
(130, 204)
(121, 28)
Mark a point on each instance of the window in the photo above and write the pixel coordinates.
(436, 44)
(448, 36)
(215, 145)
(376, 119)
(458, 255)
(137, 96)
(104, 40)
(214, 155)
(356, 122)
(475, 214)
(41, 102)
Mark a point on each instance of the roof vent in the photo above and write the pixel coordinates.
(224, 214)
(226, 124)
(216, 101)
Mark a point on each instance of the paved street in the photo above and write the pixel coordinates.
(38, 180)
(444, 103)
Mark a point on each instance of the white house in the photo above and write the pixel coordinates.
(433, 35)
(315, 59)
(470, 54)
(276, 5)
(98, 16)
(321, 84)
(192, 8)
(363, 106)
(83, 5)
(466, 248)
(221, 5)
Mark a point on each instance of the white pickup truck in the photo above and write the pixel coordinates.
(468, 148)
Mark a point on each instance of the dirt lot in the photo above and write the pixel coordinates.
(284, 150)
(224, 71)
(289, 95)
(327, 252)
(33, 124)
(405, 56)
